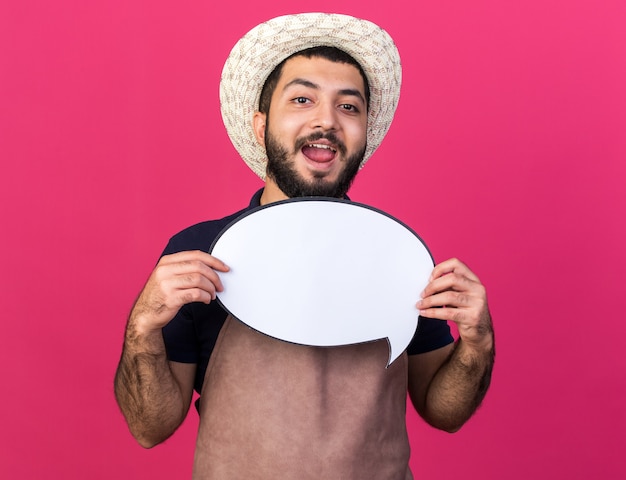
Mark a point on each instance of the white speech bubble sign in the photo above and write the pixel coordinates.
(324, 272)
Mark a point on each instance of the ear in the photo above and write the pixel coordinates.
(258, 125)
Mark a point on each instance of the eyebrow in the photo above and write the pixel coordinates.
(307, 83)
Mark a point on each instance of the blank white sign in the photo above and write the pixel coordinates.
(324, 272)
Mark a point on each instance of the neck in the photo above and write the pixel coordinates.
(271, 192)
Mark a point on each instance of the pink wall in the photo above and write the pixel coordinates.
(508, 151)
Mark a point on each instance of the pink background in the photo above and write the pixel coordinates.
(508, 150)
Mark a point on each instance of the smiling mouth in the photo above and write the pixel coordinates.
(319, 152)
(320, 145)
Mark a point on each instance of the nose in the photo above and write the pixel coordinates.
(325, 116)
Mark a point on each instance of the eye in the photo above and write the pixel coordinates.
(348, 107)
(301, 100)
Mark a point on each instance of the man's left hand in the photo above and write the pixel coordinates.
(455, 293)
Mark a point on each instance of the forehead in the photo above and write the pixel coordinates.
(322, 72)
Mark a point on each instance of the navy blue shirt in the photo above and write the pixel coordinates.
(192, 333)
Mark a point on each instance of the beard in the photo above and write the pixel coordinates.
(292, 184)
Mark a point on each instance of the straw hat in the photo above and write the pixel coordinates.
(257, 53)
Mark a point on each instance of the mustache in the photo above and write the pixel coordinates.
(330, 136)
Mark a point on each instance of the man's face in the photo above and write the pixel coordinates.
(315, 132)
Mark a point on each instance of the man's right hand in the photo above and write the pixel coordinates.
(153, 393)
(178, 279)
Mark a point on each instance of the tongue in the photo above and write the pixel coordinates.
(321, 155)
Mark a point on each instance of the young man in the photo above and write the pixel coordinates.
(306, 99)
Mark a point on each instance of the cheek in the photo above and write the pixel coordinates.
(358, 134)
(288, 125)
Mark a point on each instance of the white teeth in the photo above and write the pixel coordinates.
(319, 145)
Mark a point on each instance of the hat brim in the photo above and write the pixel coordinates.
(257, 53)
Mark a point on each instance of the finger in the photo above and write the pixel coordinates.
(173, 293)
(442, 313)
(450, 299)
(190, 295)
(197, 267)
(207, 280)
(183, 256)
(189, 269)
(452, 281)
(213, 262)
(453, 265)
(187, 258)
(212, 281)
